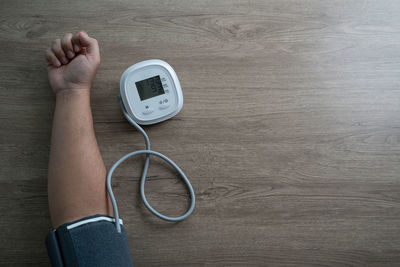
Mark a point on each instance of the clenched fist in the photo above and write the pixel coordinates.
(72, 62)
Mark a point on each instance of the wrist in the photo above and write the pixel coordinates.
(71, 94)
(70, 88)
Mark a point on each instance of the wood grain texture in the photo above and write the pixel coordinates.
(289, 133)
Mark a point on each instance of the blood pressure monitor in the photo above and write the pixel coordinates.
(151, 92)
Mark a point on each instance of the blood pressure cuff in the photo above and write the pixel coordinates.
(91, 241)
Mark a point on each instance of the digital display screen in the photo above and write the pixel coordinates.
(150, 87)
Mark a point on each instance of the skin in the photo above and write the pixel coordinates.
(77, 175)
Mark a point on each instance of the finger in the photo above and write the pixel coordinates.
(66, 45)
(52, 59)
(76, 42)
(91, 44)
(58, 51)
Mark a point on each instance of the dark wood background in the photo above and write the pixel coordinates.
(289, 132)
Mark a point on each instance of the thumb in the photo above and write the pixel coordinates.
(91, 44)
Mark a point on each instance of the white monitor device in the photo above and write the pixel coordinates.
(151, 92)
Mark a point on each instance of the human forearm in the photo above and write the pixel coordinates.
(72, 127)
(76, 167)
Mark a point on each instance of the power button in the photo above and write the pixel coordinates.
(148, 111)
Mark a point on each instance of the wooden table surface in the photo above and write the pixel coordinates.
(289, 132)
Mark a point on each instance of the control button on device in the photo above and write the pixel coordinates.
(165, 100)
(163, 79)
(163, 106)
(148, 111)
(165, 85)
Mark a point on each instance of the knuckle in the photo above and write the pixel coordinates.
(74, 38)
(67, 36)
(54, 49)
(66, 44)
(55, 43)
(78, 33)
(58, 52)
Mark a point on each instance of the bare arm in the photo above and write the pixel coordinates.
(76, 179)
